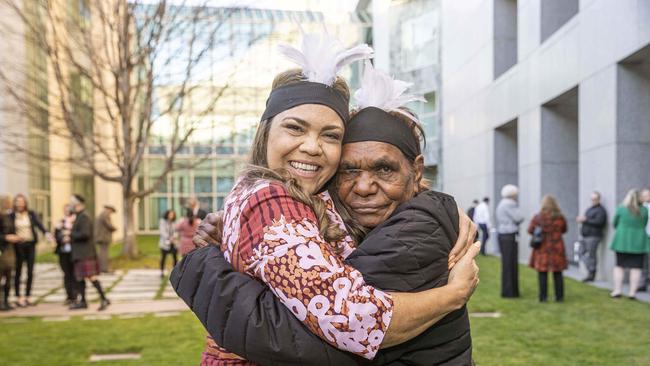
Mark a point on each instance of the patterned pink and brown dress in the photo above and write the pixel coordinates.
(274, 238)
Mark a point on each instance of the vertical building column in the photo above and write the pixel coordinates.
(380, 33)
(597, 135)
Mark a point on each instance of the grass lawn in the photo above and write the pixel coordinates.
(588, 329)
(149, 255)
(177, 340)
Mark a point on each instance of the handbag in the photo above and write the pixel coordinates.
(537, 238)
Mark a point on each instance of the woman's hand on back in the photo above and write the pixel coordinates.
(466, 235)
(464, 275)
(209, 231)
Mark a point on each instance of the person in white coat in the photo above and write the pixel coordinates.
(482, 219)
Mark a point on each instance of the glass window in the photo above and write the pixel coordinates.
(220, 201)
(157, 207)
(206, 203)
(141, 214)
(180, 181)
(225, 150)
(158, 150)
(203, 184)
(224, 184)
(202, 150)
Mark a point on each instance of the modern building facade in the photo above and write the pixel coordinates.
(223, 138)
(406, 39)
(239, 70)
(551, 95)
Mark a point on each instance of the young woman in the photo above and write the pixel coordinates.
(168, 239)
(23, 223)
(280, 225)
(186, 229)
(630, 242)
(550, 256)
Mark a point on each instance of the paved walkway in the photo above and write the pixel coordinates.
(135, 291)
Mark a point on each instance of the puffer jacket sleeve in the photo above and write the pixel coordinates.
(261, 329)
(409, 251)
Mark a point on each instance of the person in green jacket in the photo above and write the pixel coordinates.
(630, 242)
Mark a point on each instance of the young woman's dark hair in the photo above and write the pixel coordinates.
(20, 195)
(169, 212)
(258, 166)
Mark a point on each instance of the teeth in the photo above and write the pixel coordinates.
(303, 166)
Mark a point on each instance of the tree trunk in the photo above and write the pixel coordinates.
(130, 246)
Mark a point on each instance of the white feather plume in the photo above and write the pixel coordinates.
(380, 90)
(322, 56)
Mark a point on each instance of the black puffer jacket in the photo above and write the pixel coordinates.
(406, 253)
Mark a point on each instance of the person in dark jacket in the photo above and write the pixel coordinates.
(64, 251)
(593, 223)
(412, 232)
(84, 255)
(24, 222)
(104, 236)
(550, 255)
(7, 253)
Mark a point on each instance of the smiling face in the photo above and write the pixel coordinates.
(374, 178)
(306, 142)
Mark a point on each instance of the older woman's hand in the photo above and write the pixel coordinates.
(209, 231)
(464, 275)
(466, 236)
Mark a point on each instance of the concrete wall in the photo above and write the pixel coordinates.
(609, 134)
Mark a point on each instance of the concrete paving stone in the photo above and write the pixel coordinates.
(114, 357)
(42, 267)
(131, 296)
(97, 317)
(40, 292)
(14, 320)
(143, 272)
(131, 316)
(166, 314)
(60, 297)
(124, 289)
(485, 315)
(56, 318)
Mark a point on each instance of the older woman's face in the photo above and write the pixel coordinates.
(374, 178)
(306, 141)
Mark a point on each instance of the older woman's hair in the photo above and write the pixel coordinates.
(631, 201)
(550, 206)
(509, 191)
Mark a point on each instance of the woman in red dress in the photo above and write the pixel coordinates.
(550, 256)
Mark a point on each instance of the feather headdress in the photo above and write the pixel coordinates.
(322, 56)
(380, 90)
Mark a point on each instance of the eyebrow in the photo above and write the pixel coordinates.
(303, 122)
(382, 161)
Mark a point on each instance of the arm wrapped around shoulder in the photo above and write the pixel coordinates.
(245, 317)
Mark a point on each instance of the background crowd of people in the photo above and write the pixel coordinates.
(75, 235)
(630, 240)
(81, 245)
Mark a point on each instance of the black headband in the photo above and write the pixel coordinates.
(305, 92)
(374, 124)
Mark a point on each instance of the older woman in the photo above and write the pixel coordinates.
(372, 185)
(630, 242)
(550, 255)
(508, 219)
